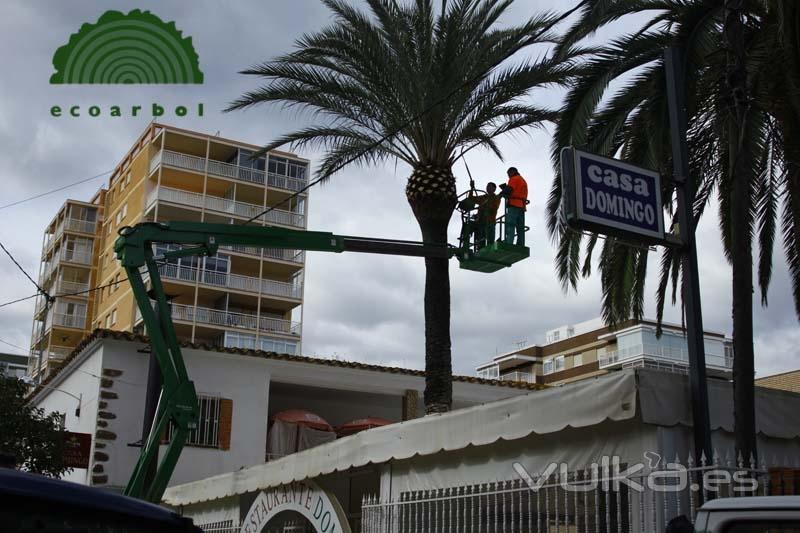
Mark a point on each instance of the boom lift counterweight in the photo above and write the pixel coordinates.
(177, 403)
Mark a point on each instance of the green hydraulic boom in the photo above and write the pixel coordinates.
(177, 404)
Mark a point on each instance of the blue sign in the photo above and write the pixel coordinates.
(610, 196)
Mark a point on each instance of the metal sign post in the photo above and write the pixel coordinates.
(676, 96)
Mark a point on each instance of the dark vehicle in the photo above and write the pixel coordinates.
(33, 503)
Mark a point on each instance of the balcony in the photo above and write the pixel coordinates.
(292, 256)
(226, 170)
(226, 319)
(72, 288)
(661, 354)
(68, 320)
(232, 281)
(69, 256)
(522, 377)
(225, 206)
(80, 226)
(70, 224)
(76, 256)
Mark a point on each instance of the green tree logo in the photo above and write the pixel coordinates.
(137, 48)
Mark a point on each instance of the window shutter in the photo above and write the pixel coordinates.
(225, 422)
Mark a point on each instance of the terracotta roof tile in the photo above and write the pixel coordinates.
(135, 337)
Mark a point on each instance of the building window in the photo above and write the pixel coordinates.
(116, 281)
(108, 321)
(559, 363)
(213, 424)
(547, 367)
(125, 210)
(113, 317)
(577, 359)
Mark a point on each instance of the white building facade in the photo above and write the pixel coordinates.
(239, 391)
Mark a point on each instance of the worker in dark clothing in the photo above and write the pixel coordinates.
(516, 195)
(488, 204)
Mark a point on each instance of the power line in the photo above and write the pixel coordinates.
(20, 300)
(400, 128)
(12, 204)
(14, 346)
(41, 290)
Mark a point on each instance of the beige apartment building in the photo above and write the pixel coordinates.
(244, 297)
(588, 349)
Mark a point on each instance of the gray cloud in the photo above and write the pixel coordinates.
(358, 307)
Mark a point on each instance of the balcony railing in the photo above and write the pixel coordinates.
(659, 353)
(64, 287)
(227, 319)
(226, 170)
(68, 320)
(493, 372)
(70, 224)
(41, 303)
(70, 256)
(293, 256)
(232, 281)
(76, 256)
(224, 205)
(524, 377)
(59, 353)
(82, 226)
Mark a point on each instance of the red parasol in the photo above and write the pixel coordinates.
(360, 424)
(303, 418)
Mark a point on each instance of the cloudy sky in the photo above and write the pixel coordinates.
(358, 307)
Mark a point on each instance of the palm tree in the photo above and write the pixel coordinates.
(742, 109)
(402, 82)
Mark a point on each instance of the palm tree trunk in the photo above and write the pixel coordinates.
(431, 194)
(741, 238)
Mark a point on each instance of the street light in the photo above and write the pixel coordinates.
(29, 381)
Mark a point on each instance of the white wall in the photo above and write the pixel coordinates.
(244, 380)
(239, 378)
(349, 393)
(86, 385)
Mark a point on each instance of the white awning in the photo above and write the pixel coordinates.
(580, 404)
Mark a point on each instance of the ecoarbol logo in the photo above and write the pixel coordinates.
(137, 48)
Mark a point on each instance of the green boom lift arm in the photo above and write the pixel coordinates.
(177, 403)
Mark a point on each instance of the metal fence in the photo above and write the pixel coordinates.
(599, 498)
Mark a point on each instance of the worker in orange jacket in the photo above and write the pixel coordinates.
(516, 194)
